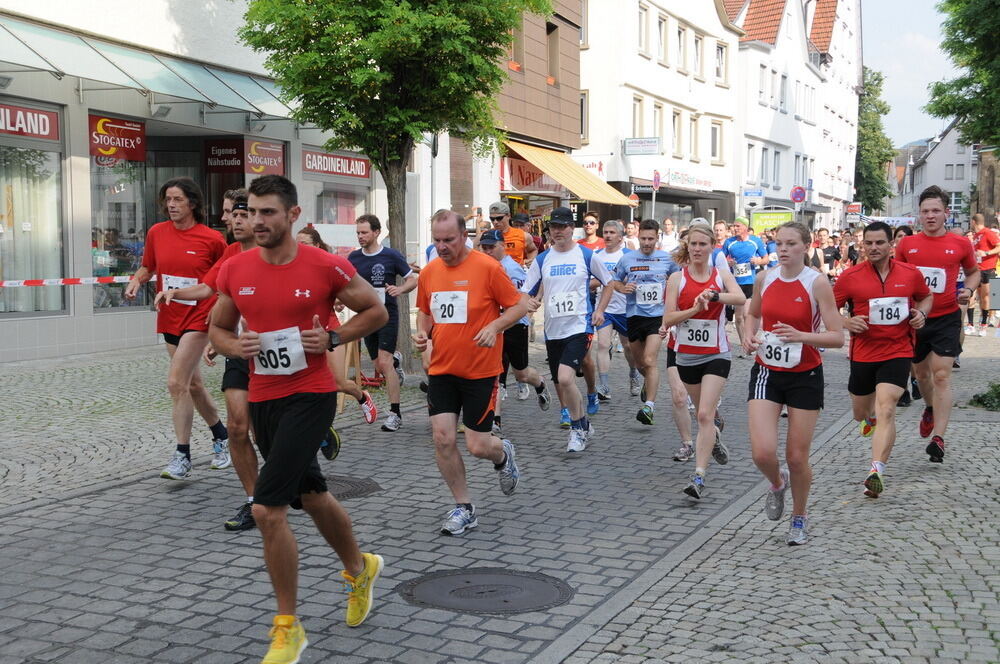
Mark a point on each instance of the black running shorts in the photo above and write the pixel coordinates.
(569, 351)
(515, 346)
(288, 433)
(941, 335)
(866, 375)
(795, 389)
(237, 374)
(640, 327)
(385, 337)
(986, 275)
(692, 375)
(175, 339)
(474, 398)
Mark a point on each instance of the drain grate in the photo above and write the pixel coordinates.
(344, 488)
(486, 591)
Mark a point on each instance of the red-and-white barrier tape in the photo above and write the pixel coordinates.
(70, 281)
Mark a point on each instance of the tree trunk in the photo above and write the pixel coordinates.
(394, 174)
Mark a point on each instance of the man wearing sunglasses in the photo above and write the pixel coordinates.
(518, 242)
(591, 240)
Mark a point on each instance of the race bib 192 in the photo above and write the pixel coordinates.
(450, 307)
(700, 332)
(888, 310)
(281, 353)
(650, 294)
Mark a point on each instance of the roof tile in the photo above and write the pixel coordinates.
(763, 20)
(824, 18)
(733, 8)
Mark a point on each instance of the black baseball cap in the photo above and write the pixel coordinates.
(562, 216)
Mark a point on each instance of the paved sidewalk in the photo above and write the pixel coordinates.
(105, 562)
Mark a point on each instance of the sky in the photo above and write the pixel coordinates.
(901, 39)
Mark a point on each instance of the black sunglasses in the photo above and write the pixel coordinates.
(492, 218)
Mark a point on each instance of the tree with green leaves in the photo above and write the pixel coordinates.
(381, 75)
(874, 147)
(970, 31)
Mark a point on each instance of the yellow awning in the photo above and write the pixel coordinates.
(561, 168)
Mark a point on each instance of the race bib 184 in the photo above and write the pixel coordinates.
(888, 310)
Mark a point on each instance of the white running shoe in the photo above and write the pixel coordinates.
(392, 422)
(523, 392)
(577, 441)
(502, 393)
(969, 330)
(221, 459)
(179, 467)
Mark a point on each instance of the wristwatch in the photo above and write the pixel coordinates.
(715, 296)
(334, 339)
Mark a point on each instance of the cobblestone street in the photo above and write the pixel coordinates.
(106, 562)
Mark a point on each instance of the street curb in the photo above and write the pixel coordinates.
(566, 644)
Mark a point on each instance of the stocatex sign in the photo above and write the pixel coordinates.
(113, 140)
(236, 155)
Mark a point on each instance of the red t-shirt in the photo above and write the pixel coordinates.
(705, 332)
(598, 243)
(987, 240)
(861, 284)
(181, 259)
(790, 301)
(939, 258)
(211, 278)
(278, 302)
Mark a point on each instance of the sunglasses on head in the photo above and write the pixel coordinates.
(497, 218)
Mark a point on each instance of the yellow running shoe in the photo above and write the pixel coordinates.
(867, 426)
(288, 640)
(359, 595)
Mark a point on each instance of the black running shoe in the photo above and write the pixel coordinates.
(330, 447)
(423, 386)
(915, 389)
(243, 519)
(904, 399)
(935, 449)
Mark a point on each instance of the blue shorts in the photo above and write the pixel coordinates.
(618, 320)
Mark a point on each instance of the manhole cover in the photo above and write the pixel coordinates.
(486, 590)
(343, 487)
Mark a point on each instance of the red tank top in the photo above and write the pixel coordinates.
(705, 333)
(789, 301)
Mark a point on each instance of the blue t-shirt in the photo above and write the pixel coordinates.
(380, 270)
(517, 277)
(649, 274)
(772, 254)
(741, 251)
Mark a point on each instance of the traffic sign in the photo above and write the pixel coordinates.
(634, 198)
(656, 180)
(854, 208)
(798, 194)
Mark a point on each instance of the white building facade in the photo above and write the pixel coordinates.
(799, 104)
(659, 95)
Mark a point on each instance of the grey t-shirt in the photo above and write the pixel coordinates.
(693, 359)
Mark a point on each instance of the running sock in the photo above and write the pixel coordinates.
(581, 423)
(970, 315)
(602, 379)
(250, 499)
(652, 405)
(699, 471)
(498, 466)
(219, 431)
(778, 488)
(361, 399)
(984, 316)
(635, 374)
(496, 420)
(540, 388)
(394, 407)
(185, 449)
(467, 506)
(878, 466)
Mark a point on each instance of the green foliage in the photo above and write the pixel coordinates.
(990, 399)
(970, 33)
(381, 73)
(874, 147)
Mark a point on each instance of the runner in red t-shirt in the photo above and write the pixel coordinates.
(987, 245)
(236, 378)
(180, 251)
(285, 292)
(939, 255)
(887, 300)
(591, 233)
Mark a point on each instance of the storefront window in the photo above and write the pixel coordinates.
(31, 228)
(118, 229)
(330, 203)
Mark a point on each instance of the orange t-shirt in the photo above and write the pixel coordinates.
(514, 242)
(462, 300)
